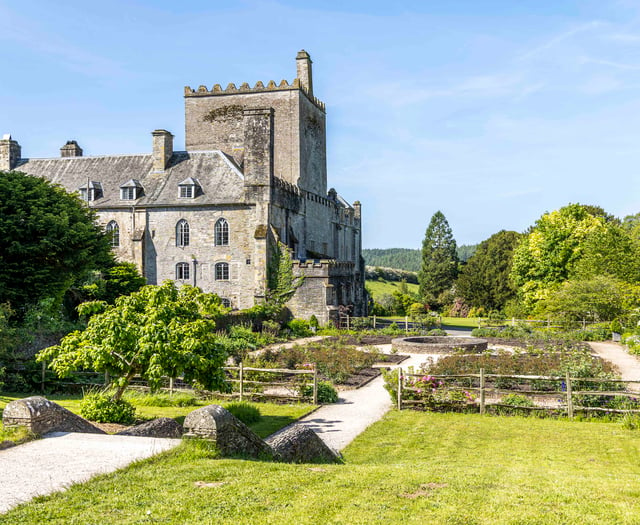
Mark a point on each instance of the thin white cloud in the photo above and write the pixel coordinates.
(610, 63)
(552, 42)
(628, 38)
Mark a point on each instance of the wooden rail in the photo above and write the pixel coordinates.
(483, 389)
(242, 381)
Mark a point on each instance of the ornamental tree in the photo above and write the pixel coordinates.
(439, 259)
(154, 332)
(49, 239)
(548, 255)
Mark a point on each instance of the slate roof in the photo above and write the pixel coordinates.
(219, 177)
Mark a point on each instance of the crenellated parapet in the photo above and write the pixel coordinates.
(286, 194)
(259, 87)
(322, 267)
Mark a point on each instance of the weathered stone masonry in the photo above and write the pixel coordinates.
(253, 173)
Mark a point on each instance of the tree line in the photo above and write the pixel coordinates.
(575, 263)
(408, 259)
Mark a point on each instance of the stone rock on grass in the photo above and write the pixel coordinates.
(300, 444)
(42, 416)
(163, 427)
(231, 436)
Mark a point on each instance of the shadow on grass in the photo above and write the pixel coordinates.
(270, 424)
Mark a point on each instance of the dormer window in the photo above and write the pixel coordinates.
(91, 191)
(131, 190)
(188, 188)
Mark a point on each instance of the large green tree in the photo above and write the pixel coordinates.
(154, 332)
(48, 239)
(484, 280)
(548, 255)
(611, 250)
(439, 259)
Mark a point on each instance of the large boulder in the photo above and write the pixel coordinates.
(231, 436)
(163, 427)
(299, 444)
(42, 416)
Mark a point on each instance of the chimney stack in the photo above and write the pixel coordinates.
(303, 63)
(357, 209)
(71, 149)
(162, 149)
(10, 153)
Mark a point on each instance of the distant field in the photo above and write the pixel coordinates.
(378, 288)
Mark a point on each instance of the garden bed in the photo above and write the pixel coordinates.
(366, 375)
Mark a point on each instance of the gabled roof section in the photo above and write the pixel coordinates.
(92, 185)
(131, 183)
(220, 179)
(189, 182)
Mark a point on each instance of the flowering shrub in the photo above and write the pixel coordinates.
(435, 395)
(336, 361)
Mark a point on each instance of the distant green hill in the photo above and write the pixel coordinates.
(406, 258)
(401, 258)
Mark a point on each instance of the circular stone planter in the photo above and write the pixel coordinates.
(432, 344)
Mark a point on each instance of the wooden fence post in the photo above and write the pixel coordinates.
(107, 379)
(315, 383)
(482, 392)
(171, 386)
(241, 380)
(399, 388)
(43, 376)
(569, 398)
(406, 323)
(374, 321)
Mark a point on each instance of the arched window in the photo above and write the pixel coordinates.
(222, 271)
(225, 302)
(113, 230)
(221, 231)
(182, 233)
(182, 271)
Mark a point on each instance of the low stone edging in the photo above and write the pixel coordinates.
(433, 344)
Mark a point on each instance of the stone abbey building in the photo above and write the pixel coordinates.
(253, 173)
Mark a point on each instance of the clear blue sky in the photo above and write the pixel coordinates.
(491, 111)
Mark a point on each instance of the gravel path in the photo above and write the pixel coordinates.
(628, 364)
(62, 459)
(340, 423)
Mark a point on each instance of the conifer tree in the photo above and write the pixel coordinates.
(439, 259)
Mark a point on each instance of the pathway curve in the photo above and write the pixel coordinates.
(62, 459)
(616, 353)
(340, 423)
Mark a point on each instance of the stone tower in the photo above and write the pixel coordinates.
(218, 119)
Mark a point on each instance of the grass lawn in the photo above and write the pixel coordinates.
(377, 288)
(462, 322)
(274, 416)
(408, 468)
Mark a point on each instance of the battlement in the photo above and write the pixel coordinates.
(322, 267)
(231, 89)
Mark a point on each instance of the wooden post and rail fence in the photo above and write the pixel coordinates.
(567, 392)
(242, 381)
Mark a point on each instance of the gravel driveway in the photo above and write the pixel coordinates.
(61, 459)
